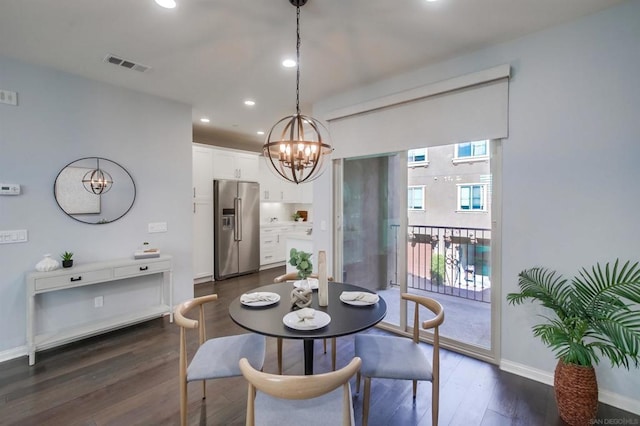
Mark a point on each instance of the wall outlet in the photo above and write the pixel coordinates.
(98, 302)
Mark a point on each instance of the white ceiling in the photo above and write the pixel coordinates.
(214, 54)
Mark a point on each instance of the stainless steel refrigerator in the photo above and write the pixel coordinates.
(236, 229)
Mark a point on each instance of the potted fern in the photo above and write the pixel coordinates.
(595, 314)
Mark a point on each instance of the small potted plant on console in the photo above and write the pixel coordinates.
(67, 259)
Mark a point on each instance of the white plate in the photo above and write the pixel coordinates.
(358, 302)
(320, 319)
(276, 299)
(313, 284)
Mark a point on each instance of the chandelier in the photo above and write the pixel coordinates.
(97, 181)
(297, 146)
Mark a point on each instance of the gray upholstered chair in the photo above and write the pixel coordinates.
(397, 357)
(291, 276)
(214, 358)
(318, 399)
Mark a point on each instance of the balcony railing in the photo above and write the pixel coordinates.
(447, 260)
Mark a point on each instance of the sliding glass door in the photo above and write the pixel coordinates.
(371, 207)
(421, 222)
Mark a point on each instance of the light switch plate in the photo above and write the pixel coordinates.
(14, 236)
(157, 227)
(8, 97)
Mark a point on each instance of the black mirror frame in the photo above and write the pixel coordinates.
(133, 183)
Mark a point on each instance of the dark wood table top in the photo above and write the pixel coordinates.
(345, 318)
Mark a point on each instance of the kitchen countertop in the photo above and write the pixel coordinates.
(285, 223)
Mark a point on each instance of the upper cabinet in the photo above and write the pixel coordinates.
(277, 190)
(202, 173)
(235, 165)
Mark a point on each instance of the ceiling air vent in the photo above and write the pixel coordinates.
(112, 59)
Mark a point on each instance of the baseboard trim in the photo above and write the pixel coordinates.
(202, 280)
(272, 265)
(606, 397)
(13, 353)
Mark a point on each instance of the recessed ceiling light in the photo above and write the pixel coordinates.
(167, 4)
(431, 1)
(289, 63)
(249, 102)
(205, 120)
(260, 132)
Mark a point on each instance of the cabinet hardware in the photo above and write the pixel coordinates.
(194, 207)
(144, 268)
(76, 279)
(194, 192)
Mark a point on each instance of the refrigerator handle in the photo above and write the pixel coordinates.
(238, 227)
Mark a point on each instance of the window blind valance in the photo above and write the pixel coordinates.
(466, 108)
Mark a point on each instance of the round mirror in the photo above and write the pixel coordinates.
(94, 190)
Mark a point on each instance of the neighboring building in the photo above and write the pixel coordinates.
(450, 186)
(449, 203)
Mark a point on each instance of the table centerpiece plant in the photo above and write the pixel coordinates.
(302, 261)
(301, 296)
(595, 314)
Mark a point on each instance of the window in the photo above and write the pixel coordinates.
(472, 197)
(470, 151)
(417, 157)
(415, 198)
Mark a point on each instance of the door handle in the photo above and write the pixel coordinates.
(237, 230)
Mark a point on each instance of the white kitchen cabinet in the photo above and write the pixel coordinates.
(273, 244)
(277, 190)
(305, 193)
(202, 209)
(269, 183)
(235, 165)
(202, 173)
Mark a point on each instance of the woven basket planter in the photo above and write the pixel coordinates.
(576, 391)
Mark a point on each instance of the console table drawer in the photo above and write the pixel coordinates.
(141, 269)
(72, 279)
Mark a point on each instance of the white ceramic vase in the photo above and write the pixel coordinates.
(47, 264)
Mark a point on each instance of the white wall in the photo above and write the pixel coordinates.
(61, 117)
(570, 164)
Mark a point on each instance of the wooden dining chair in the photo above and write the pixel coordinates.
(215, 358)
(397, 357)
(318, 399)
(292, 276)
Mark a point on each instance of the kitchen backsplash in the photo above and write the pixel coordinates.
(282, 212)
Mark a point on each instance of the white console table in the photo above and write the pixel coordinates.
(89, 274)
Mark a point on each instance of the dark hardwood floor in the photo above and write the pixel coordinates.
(129, 377)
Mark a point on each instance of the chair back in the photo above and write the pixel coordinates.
(299, 387)
(179, 317)
(433, 323)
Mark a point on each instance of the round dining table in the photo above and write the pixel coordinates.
(345, 318)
